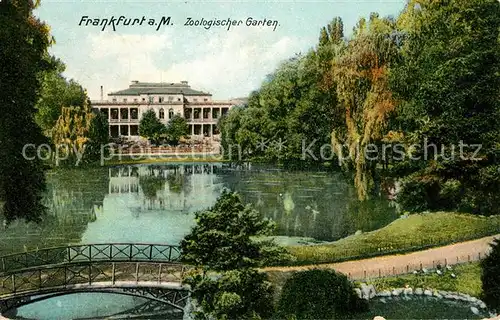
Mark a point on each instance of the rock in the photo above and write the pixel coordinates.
(382, 300)
(437, 295)
(482, 305)
(474, 310)
(359, 232)
(408, 291)
(428, 293)
(378, 318)
(384, 294)
(368, 291)
(397, 292)
(358, 292)
(419, 291)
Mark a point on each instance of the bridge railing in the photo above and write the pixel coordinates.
(56, 277)
(90, 253)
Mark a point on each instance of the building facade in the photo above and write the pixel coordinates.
(124, 108)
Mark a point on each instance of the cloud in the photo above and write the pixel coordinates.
(227, 64)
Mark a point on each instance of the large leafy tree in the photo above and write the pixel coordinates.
(491, 276)
(177, 127)
(448, 86)
(223, 248)
(150, 126)
(365, 101)
(56, 93)
(24, 41)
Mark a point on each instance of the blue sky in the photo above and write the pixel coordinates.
(227, 64)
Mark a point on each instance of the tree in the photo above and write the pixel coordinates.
(224, 251)
(447, 84)
(319, 294)
(150, 126)
(223, 237)
(177, 127)
(56, 93)
(24, 40)
(236, 294)
(490, 276)
(98, 136)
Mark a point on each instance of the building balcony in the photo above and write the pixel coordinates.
(123, 120)
(135, 103)
(200, 121)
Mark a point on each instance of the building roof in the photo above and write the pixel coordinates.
(138, 88)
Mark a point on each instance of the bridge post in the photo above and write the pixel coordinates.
(90, 274)
(159, 273)
(113, 274)
(137, 272)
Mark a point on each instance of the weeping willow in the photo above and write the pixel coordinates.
(365, 100)
(71, 131)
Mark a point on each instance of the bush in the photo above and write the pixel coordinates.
(319, 294)
(491, 277)
(235, 294)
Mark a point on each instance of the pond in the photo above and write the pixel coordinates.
(156, 203)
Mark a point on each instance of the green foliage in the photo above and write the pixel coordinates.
(491, 276)
(177, 127)
(150, 126)
(236, 294)
(221, 239)
(319, 294)
(293, 105)
(225, 284)
(55, 93)
(98, 136)
(447, 84)
(24, 41)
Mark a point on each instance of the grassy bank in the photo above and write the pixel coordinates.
(416, 232)
(468, 280)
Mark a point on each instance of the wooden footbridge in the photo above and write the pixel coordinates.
(151, 271)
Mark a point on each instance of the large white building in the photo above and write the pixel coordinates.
(124, 108)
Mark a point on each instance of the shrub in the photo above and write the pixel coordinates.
(319, 294)
(491, 277)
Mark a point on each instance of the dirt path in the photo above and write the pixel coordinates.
(400, 264)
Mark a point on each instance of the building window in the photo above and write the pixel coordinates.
(134, 130)
(195, 100)
(114, 99)
(178, 99)
(114, 114)
(124, 114)
(124, 131)
(162, 114)
(170, 98)
(170, 113)
(143, 99)
(134, 114)
(124, 100)
(160, 99)
(205, 99)
(135, 100)
(151, 99)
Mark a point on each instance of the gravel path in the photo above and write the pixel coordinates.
(405, 263)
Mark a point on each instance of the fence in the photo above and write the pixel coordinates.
(91, 253)
(401, 269)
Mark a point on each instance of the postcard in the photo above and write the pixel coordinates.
(249, 159)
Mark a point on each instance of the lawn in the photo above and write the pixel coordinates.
(468, 280)
(415, 232)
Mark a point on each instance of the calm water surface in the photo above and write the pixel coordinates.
(156, 203)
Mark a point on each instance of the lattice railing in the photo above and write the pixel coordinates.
(116, 252)
(37, 280)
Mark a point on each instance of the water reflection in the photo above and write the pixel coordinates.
(155, 203)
